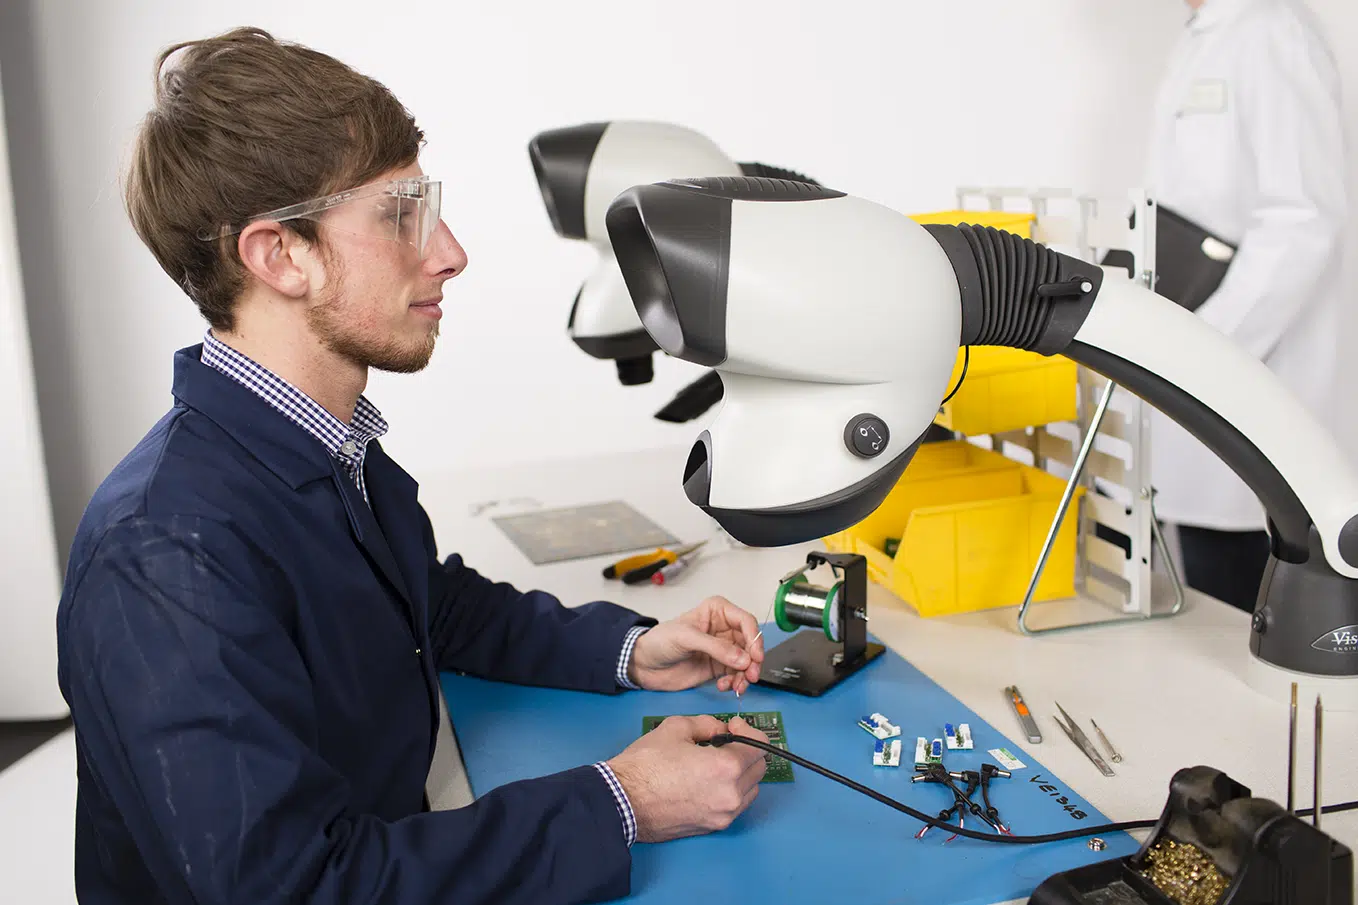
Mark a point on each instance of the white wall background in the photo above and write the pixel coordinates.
(897, 100)
(1340, 21)
(29, 576)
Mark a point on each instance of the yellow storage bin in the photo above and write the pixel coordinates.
(1009, 389)
(1006, 389)
(971, 524)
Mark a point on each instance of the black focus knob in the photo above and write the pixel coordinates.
(866, 436)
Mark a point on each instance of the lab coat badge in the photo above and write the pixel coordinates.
(1205, 96)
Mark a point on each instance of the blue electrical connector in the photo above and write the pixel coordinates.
(886, 752)
(879, 726)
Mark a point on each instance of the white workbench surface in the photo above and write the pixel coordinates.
(1169, 694)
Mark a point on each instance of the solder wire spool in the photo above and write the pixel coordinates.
(798, 602)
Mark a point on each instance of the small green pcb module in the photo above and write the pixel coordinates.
(769, 722)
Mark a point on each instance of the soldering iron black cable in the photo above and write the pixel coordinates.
(727, 737)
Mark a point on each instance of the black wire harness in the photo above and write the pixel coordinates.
(727, 737)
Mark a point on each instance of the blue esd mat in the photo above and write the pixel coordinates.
(811, 840)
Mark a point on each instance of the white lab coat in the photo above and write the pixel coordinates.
(1248, 142)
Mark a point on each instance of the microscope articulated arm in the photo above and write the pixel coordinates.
(1237, 408)
(1171, 358)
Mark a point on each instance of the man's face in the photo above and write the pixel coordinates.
(379, 306)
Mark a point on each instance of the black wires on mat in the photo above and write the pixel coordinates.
(727, 738)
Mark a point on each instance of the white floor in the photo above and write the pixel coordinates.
(37, 825)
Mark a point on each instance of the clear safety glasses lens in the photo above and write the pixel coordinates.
(417, 213)
(404, 210)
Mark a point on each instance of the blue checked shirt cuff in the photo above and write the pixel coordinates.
(625, 812)
(629, 641)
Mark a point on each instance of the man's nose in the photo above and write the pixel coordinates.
(444, 256)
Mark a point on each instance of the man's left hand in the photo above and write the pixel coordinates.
(711, 641)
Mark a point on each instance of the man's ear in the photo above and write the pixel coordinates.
(277, 257)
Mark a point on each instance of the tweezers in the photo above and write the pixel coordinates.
(1080, 740)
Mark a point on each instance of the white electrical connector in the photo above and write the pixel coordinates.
(887, 753)
(879, 726)
(921, 752)
(958, 739)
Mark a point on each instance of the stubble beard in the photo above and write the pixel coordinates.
(327, 320)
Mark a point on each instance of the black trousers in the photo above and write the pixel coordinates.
(1227, 565)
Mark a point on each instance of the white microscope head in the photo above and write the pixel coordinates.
(580, 170)
(833, 322)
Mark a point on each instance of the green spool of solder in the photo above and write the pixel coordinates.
(800, 603)
(780, 602)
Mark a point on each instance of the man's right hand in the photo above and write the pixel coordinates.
(678, 788)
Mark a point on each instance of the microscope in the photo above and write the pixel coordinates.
(834, 323)
(580, 169)
(843, 317)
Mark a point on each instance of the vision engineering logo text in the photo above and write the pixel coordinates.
(1340, 641)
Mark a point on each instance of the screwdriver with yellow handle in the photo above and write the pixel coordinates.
(639, 568)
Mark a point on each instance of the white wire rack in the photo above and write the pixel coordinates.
(1107, 449)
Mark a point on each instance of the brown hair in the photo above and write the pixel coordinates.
(242, 124)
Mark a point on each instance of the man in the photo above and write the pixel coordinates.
(1248, 145)
(254, 614)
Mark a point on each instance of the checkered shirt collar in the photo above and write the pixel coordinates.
(296, 406)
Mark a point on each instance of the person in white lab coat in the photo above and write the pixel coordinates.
(1248, 144)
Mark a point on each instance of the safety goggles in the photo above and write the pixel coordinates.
(402, 210)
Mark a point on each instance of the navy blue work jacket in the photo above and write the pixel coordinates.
(250, 653)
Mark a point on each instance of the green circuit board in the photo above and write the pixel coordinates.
(769, 722)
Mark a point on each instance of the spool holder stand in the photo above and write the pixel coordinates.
(809, 663)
